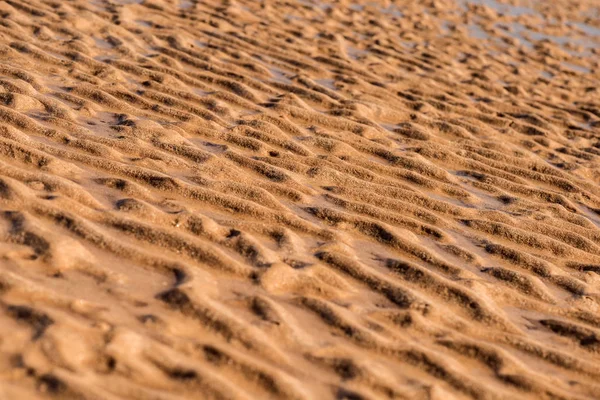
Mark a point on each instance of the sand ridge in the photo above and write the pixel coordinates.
(299, 199)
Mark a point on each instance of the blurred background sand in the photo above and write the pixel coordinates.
(299, 199)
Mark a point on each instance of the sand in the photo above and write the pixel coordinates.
(299, 199)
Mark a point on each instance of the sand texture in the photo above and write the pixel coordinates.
(299, 199)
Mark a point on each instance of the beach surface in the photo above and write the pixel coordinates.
(299, 199)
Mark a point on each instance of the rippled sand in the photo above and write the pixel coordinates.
(299, 199)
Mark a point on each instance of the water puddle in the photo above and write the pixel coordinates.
(291, 17)
(355, 53)
(214, 148)
(588, 29)
(98, 4)
(319, 4)
(446, 26)
(185, 4)
(477, 32)
(328, 83)
(389, 127)
(392, 10)
(103, 44)
(588, 125)
(447, 199)
(516, 31)
(526, 36)
(501, 8)
(143, 23)
(104, 58)
(280, 76)
(590, 214)
(575, 67)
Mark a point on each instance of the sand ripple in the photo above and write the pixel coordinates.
(299, 199)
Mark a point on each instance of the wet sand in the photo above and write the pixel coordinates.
(299, 199)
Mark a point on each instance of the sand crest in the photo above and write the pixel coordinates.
(299, 199)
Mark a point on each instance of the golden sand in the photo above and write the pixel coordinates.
(299, 199)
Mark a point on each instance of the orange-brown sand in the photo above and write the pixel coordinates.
(299, 199)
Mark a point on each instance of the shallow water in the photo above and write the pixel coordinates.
(477, 32)
(507, 9)
(576, 67)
